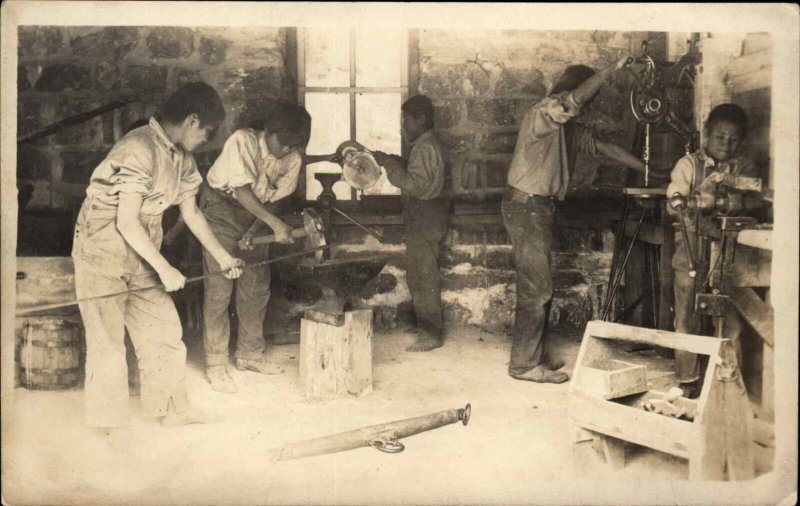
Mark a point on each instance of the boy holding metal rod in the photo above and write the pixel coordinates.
(116, 249)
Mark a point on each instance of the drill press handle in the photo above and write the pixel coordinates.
(678, 202)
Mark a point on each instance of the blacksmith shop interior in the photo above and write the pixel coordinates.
(307, 266)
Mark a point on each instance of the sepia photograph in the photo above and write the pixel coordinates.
(399, 253)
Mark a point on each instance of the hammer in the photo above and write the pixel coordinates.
(311, 230)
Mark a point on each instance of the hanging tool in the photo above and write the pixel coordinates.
(312, 230)
(43, 307)
(381, 437)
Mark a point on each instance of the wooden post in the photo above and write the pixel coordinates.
(337, 360)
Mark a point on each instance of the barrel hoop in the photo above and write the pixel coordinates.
(50, 344)
(49, 372)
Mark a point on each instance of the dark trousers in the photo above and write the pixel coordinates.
(688, 367)
(426, 226)
(229, 221)
(529, 223)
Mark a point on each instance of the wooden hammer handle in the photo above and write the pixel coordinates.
(268, 239)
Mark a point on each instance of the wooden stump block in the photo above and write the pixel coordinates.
(337, 360)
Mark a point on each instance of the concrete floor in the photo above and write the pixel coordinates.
(515, 446)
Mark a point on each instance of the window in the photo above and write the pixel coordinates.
(353, 83)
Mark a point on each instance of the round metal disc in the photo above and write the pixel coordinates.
(359, 169)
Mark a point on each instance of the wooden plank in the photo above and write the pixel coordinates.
(662, 433)
(756, 42)
(45, 280)
(756, 312)
(761, 239)
(614, 451)
(707, 450)
(758, 60)
(764, 433)
(751, 267)
(768, 383)
(737, 426)
(752, 81)
(686, 342)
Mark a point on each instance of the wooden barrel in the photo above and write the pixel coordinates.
(50, 353)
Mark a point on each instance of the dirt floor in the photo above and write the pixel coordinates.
(518, 437)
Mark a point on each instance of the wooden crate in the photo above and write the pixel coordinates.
(717, 443)
(611, 379)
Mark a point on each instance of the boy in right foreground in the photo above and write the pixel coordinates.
(725, 129)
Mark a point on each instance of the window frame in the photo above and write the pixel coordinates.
(408, 77)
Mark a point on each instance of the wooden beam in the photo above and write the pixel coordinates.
(756, 312)
(686, 342)
(761, 239)
(661, 433)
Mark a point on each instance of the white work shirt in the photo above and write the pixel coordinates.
(246, 160)
(145, 161)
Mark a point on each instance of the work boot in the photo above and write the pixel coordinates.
(259, 364)
(541, 374)
(220, 379)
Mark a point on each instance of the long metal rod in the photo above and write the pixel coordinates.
(613, 290)
(72, 120)
(369, 436)
(352, 220)
(56, 305)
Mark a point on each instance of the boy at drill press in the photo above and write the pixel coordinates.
(424, 214)
(256, 168)
(725, 129)
(548, 143)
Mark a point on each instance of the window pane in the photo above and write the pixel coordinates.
(327, 57)
(330, 126)
(378, 54)
(378, 128)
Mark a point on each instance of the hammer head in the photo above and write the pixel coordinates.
(315, 235)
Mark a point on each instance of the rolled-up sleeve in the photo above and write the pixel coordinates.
(419, 174)
(681, 179)
(131, 165)
(237, 161)
(540, 124)
(190, 181)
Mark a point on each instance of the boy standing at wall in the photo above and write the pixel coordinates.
(425, 215)
(116, 248)
(256, 169)
(539, 176)
(725, 129)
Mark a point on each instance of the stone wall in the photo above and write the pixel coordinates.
(65, 71)
(480, 81)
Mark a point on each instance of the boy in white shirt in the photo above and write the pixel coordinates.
(256, 169)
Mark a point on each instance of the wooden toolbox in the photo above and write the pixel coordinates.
(717, 441)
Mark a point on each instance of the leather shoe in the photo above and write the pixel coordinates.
(259, 365)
